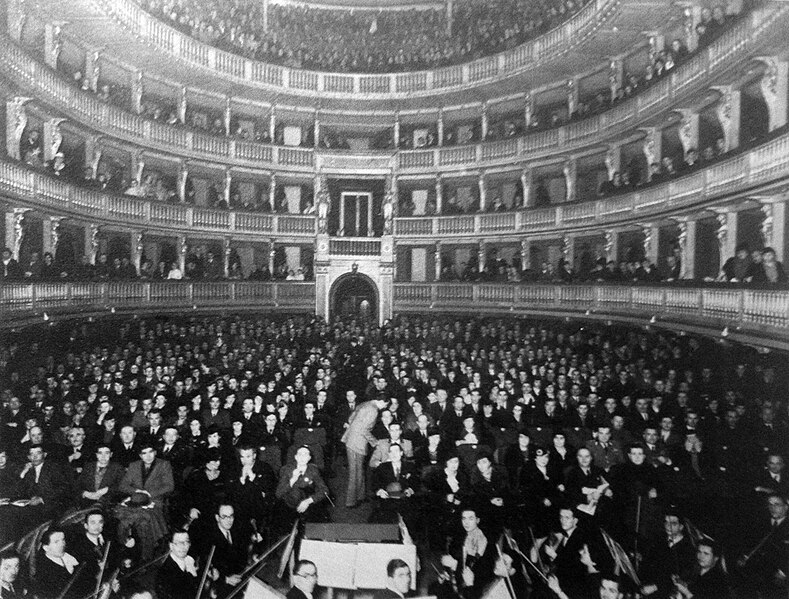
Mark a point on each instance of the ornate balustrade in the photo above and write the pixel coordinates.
(762, 165)
(46, 299)
(39, 81)
(550, 46)
(56, 197)
(339, 246)
(754, 315)
(766, 163)
(722, 311)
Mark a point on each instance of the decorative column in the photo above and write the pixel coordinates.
(272, 124)
(271, 253)
(691, 17)
(572, 96)
(316, 130)
(568, 250)
(774, 86)
(183, 250)
(526, 181)
(484, 121)
(272, 191)
(91, 249)
(657, 43)
(652, 148)
(51, 225)
(482, 192)
(52, 138)
(616, 75)
(92, 68)
(570, 171)
(228, 181)
(688, 131)
(687, 248)
(439, 195)
(774, 227)
(136, 92)
(93, 152)
(727, 235)
(137, 166)
(14, 229)
(651, 234)
(369, 216)
(16, 121)
(265, 15)
(611, 245)
(137, 248)
(228, 115)
(182, 106)
(53, 42)
(440, 127)
(450, 8)
(396, 132)
(16, 16)
(226, 250)
(525, 254)
(323, 205)
(437, 261)
(482, 248)
(183, 175)
(613, 161)
(728, 112)
(528, 109)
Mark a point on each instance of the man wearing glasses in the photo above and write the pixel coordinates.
(305, 579)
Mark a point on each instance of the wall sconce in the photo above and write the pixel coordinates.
(354, 267)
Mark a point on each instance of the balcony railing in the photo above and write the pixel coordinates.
(736, 45)
(354, 247)
(40, 298)
(762, 165)
(60, 198)
(530, 55)
(729, 311)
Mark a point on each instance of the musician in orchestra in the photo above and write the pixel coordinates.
(765, 566)
(304, 579)
(609, 588)
(178, 577)
(10, 587)
(58, 573)
(669, 556)
(709, 580)
(90, 545)
(398, 581)
(469, 563)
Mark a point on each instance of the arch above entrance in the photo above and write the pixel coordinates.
(354, 295)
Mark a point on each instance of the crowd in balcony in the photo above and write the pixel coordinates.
(347, 40)
(759, 267)
(605, 452)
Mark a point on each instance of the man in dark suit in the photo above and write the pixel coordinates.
(358, 438)
(566, 554)
(230, 536)
(305, 579)
(301, 489)
(90, 544)
(56, 570)
(126, 447)
(172, 449)
(45, 484)
(398, 581)
(177, 578)
(9, 268)
(10, 588)
(393, 482)
(99, 480)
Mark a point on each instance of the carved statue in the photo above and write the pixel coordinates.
(54, 233)
(94, 243)
(17, 121)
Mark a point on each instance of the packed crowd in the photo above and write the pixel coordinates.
(301, 36)
(594, 447)
(758, 267)
(201, 264)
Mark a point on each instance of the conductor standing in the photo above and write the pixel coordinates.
(358, 438)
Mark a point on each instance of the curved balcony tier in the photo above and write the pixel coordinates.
(754, 316)
(759, 170)
(726, 54)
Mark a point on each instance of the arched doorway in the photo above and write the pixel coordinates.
(354, 295)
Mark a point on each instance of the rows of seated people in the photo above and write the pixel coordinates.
(661, 63)
(362, 41)
(199, 265)
(574, 438)
(759, 267)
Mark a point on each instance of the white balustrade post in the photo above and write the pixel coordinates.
(182, 105)
(316, 131)
(483, 203)
(183, 249)
(271, 254)
(396, 131)
(228, 115)
(272, 124)
(226, 251)
(570, 171)
(439, 194)
(484, 121)
(526, 182)
(482, 248)
(183, 176)
(437, 266)
(440, 126)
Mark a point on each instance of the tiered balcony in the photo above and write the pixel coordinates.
(751, 315)
(746, 172)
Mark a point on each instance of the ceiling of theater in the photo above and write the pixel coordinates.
(628, 27)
